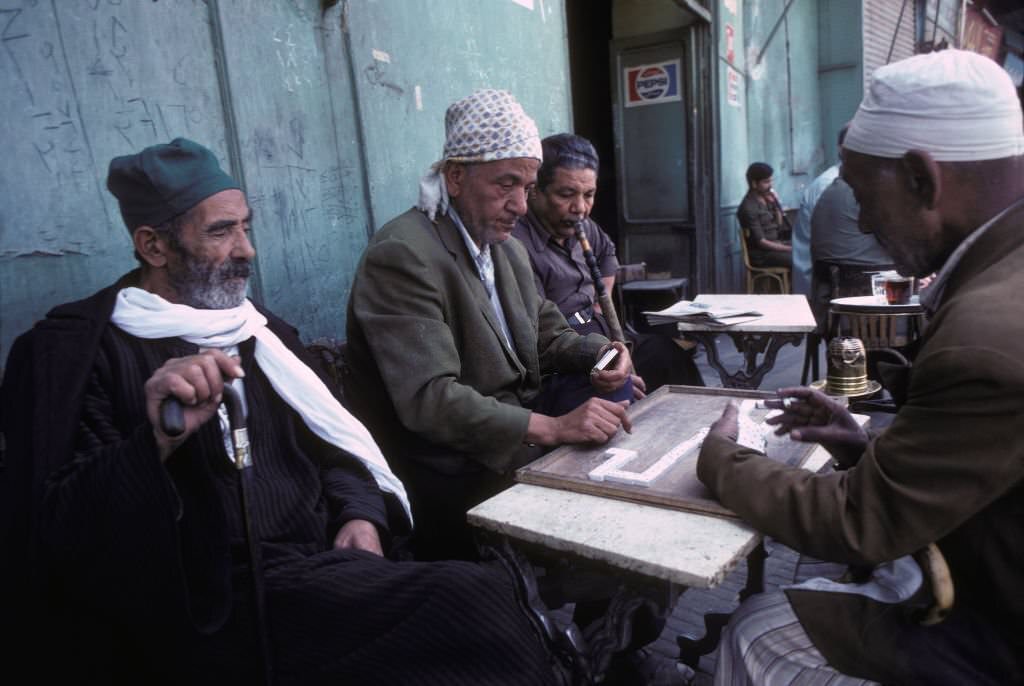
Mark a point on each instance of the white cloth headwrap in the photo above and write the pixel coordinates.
(488, 125)
(954, 104)
(147, 315)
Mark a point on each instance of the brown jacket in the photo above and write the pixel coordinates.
(949, 469)
(431, 376)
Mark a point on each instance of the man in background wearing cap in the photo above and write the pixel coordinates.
(448, 337)
(125, 553)
(935, 157)
(762, 220)
(563, 198)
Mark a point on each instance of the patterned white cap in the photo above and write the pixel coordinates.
(486, 126)
(954, 104)
(489, 125)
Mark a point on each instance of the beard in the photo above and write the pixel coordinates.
(206, 286)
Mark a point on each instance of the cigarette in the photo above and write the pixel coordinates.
(784, 403)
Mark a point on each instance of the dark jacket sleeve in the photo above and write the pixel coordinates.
(348, 487)
(111, 525)
(350, 490)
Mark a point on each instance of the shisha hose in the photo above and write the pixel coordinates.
(603, 296)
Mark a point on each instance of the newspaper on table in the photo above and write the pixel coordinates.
(697, 312)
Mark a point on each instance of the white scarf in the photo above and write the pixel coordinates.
(147, 315)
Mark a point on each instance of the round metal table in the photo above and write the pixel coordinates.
(877, 324)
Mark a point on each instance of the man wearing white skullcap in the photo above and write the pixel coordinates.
(929, 513)
(448, 338)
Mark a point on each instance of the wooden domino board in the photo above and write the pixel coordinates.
(657, 463)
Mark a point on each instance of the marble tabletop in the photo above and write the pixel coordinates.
(779, 313)
(686, 548)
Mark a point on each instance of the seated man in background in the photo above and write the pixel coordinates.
(563, 198)
(935, 157)
(844, 256)
(126, 558)
(449, 339)
(760, 215)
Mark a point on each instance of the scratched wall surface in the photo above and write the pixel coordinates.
(305, 189)
(85, 81)
(328, 118)
(409, 65)
(785, 129)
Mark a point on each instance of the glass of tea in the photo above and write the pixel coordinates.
(898, 289)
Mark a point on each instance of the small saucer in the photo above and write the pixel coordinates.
(873, 387)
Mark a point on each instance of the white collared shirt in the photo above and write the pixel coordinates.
(485, 269)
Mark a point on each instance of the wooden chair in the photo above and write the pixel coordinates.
(779, 275)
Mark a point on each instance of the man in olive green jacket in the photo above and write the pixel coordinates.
(935, 157)
(448, 338)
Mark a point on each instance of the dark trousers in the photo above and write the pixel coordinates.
(770, 258)
(439, 505)
(658, 359)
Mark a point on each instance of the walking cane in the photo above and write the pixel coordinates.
(172, 423)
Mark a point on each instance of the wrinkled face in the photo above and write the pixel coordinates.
(568, 199)
(491, 196)
(895, 214)
(209, 262)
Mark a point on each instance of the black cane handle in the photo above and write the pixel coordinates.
(172, 417)
(172, 413)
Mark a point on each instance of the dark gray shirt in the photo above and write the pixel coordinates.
(561, 273)
(834, 233)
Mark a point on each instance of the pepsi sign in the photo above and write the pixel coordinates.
(650, 84)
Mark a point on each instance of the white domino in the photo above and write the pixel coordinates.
(613, 469)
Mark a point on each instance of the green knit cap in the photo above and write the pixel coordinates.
(163, 181)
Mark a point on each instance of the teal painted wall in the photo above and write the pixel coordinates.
(446, 49)
(733, 140)
(784, 108)
(841, 69)
(328, 117)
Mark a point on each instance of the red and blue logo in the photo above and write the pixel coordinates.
(649, 84)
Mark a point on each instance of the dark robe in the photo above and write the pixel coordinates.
(124, 568)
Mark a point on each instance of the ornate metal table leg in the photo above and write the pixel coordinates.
(613, 633)
(567, 645)
(691, 650)
(750, 345)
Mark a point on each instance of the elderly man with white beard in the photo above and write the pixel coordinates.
(125, 553)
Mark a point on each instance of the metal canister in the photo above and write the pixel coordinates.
(847, 366)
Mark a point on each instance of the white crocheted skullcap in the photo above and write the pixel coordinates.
(954, 104)
(489, 125)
